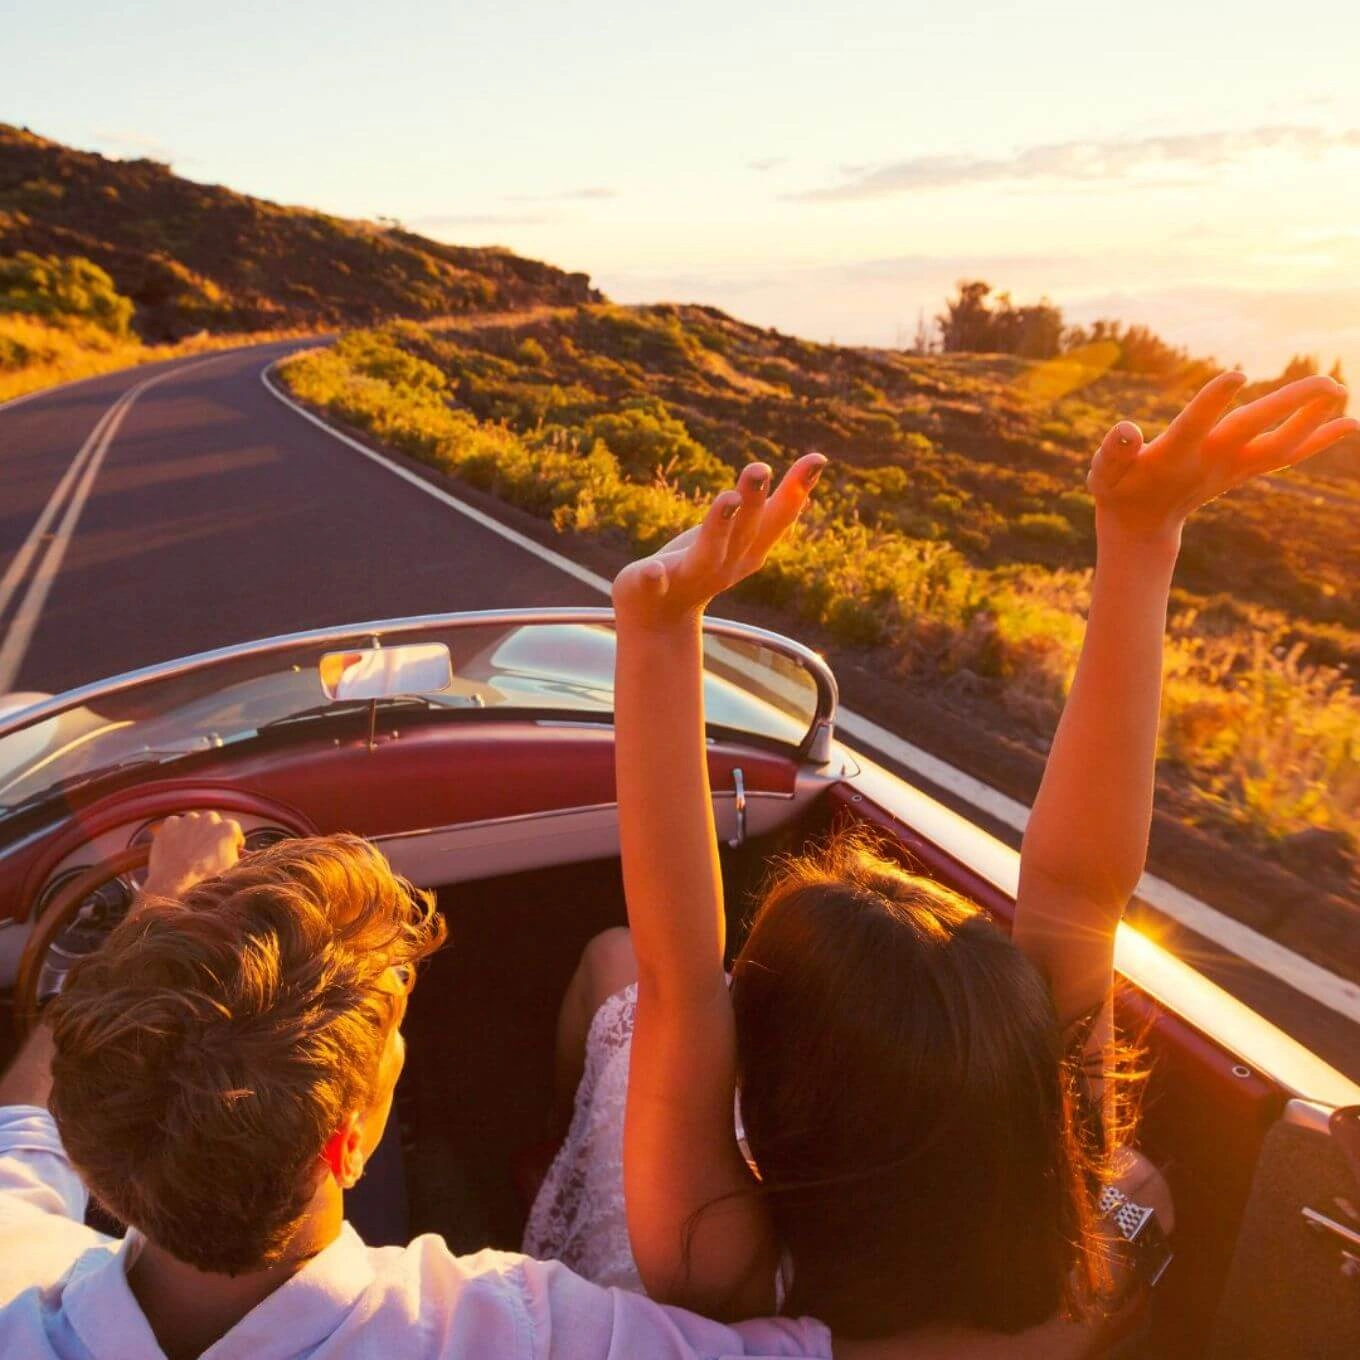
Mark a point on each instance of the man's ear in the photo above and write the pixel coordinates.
(344, 1151)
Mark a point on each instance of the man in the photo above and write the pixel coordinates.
(217, 1075)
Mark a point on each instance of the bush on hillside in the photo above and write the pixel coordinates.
(971, 324)
(70, 289)
(1263, 727)
(649, 442)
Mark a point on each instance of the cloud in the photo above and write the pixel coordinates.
(767, 163)
(912, 268)
(130, 145)
(591, 192)
(856, 288)
(1260, 327)
(1318, 312)
(876, 302)
(452, 221)
(1080, 161)
(1329, 238)
(1202, 231)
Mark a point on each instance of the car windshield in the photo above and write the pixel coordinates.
(552, 671)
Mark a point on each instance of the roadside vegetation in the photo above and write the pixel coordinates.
(62, 319)
(951, 543)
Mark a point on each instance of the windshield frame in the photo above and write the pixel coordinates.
(815, 746)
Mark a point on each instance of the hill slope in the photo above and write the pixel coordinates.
(200, 257)
(970, 450)
(946, 561)
(947, 554)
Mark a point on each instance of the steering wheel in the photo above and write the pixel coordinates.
(57, 916)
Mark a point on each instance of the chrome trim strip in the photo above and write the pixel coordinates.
(14, 847)
(549, 814)
(1321, 1223)
(827, 691)
(71, 745)
(1260, 1045)
(485, 822)
(739, 793)
(1309, 1114)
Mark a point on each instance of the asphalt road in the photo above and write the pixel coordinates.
(214, 514)
(218, 516)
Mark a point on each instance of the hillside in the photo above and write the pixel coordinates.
(945, 564)
(969, 450)
(198, 257)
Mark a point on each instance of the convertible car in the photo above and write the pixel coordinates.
(476, 751)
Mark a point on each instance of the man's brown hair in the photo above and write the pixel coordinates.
(206, 1054)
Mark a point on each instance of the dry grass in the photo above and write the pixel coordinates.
(35, 354)
(1265, 739)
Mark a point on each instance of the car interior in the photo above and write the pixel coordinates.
(509, 818)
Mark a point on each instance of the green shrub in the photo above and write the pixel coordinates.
(376, 355)
(532, 353)
(1080, 509)
(56, 289)
(1057, 430)
(1046, 528)
(649, 442)
(948, 505)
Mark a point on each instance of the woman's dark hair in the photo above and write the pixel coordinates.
(918, 1118)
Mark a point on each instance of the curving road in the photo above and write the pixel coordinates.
(217, 515)
(174, 508)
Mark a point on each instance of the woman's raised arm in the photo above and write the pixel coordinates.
(680, 1150)
(1087, 837)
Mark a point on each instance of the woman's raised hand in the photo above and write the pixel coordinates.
(1149, 490)
(733, 540)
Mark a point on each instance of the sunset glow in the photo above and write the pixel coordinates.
(829, 171)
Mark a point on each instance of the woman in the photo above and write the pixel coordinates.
(931, 1109)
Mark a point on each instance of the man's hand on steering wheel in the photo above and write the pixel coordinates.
(186, 850)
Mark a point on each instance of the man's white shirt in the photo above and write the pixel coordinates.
(64, 1293)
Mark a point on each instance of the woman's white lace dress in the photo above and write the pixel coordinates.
(578, 1216)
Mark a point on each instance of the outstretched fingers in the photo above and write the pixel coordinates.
(1276, 448)
(753, 486)
(1323, 438)
(711, 547)
(1258, 416)
(738, 530)
(695, 559)
(1204, 411)
(1116, 455)
(787, 502)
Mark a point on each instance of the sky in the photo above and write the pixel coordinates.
(829, 169)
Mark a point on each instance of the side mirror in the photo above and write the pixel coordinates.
(385, 672)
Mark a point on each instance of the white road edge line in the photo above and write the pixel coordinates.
(1303, 975)
(555, 559)
(1297, 972)
(43, 391)
(16, 640)
(64, 387)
